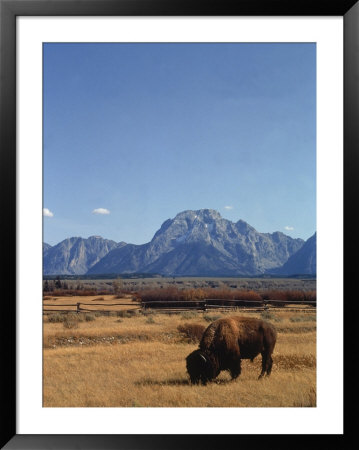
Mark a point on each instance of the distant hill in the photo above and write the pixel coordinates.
(45, 248)
(304, 261)
(202, 243)
(75, 255)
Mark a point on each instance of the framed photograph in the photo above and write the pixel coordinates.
(188, 159)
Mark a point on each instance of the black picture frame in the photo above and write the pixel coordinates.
(9, 10)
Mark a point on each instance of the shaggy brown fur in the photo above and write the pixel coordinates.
(226, 342)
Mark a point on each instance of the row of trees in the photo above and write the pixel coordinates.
(52, 285)
(58, 284)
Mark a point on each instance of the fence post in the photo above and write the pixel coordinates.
(77, 308)
(204, 306)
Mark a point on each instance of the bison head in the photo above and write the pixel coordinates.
(201, 367)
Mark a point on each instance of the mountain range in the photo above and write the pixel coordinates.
(194, 243)
(304, 261)
(75, 255)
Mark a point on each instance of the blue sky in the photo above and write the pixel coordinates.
(136, 133)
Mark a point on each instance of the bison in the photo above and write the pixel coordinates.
(226, 342)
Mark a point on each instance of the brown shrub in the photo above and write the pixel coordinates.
(127, 313)
(56, 317)
(170, 293)
(90, 317)
(192, 331)
(226, 296)
(289, 295)
(173, 293)
(194, 294)
(72, 321)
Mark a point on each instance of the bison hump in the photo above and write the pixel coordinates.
(208, 337)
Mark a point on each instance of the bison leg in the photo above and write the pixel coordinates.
(264, 364)
(194, 380)
(235, 369)
(267, 363)
(204, 381)
(263, 370)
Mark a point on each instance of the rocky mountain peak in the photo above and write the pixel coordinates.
(76, 255)
(187, 226)
(205, 215)
(201, 242)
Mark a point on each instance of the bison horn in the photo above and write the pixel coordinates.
(204, 359)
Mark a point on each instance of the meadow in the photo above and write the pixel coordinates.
(133, 358)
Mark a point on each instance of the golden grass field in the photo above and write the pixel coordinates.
(139, 361)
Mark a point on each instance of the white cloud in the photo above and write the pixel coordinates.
(47, 213)
(100, 211)
(288, 228)
(228, 207)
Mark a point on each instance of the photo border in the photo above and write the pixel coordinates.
(9, 10)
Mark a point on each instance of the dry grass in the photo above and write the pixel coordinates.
(135, 362)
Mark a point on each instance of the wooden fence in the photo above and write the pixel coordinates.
(224, 304)
(199, 305)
